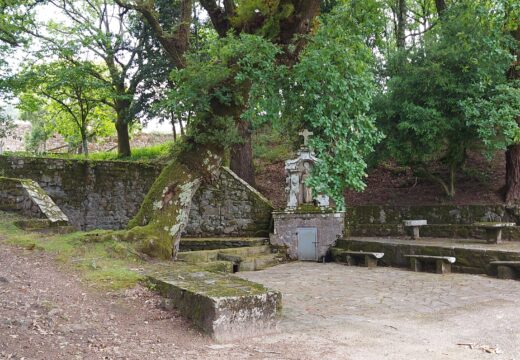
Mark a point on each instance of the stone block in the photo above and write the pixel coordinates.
(506, 272)
(223, 306)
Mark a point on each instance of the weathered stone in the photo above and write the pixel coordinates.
(223, 306)
(107, 194)
(471, 258)
(329, 226)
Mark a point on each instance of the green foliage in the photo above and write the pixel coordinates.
(72, 100)
(159, 152)
(270, 146)
(449, 95)
(273, 11)
(234, 72)
(330, 93)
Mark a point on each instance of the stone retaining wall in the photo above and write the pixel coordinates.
(93, 194)
(435, 214)
(107, 194)
(13, 197)
(451, 221)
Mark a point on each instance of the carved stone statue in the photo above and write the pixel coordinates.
(298, 170)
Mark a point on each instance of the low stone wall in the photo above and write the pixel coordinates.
(107, 194)
(93, 194)
(451, 221)
(229, 207)
(225, 307)
(435, 214)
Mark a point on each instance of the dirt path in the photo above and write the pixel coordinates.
(49, 313)
(330, 312)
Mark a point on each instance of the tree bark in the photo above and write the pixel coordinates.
(84, 144)
(123, 138)
(440, 5)
(512, 189)
(172, 120)
(242, 154)
(401, 24)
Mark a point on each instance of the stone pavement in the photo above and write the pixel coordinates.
(360, 313)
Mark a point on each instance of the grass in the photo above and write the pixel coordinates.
(271, 147)
(149, 153)
(104, 264)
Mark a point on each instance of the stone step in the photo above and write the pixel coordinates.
(224, 306)
(213, 255)
(195, 244)
(262, 262)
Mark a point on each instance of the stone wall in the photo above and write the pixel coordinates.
(107, 194)
(329, 227)
(13, 197)
(435, 214)
(451, 221)
(229, 207)
(93, 194)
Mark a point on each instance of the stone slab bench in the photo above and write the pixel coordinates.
(223, 306)
(506, 269)
(415, 225)
(352, 257)
(442, 263)
(494, 230)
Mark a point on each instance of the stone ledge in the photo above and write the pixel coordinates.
(223, 306)
(431, 230)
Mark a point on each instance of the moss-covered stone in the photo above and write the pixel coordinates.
(224, 306)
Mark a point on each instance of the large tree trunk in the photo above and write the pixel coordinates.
(242, 154)
(512, 193)
(123, 139)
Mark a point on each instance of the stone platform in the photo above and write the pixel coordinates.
(472, 256)
(222, 305)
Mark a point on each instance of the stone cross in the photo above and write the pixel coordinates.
(306, 134)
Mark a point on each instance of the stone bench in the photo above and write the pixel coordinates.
(494, 230)
(506, 269)
(370, 258)
(442, 263)
(415, 225)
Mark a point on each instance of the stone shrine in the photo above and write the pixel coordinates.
(309, 225)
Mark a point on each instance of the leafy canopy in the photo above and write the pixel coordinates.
(450, 95)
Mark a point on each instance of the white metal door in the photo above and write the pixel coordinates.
(307, 243)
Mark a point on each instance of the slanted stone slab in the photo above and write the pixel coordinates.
(442, 263)
(415, 225)
(223, 306)
(27, 197)
(494, 230)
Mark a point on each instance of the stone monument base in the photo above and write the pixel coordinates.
(307, 235)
